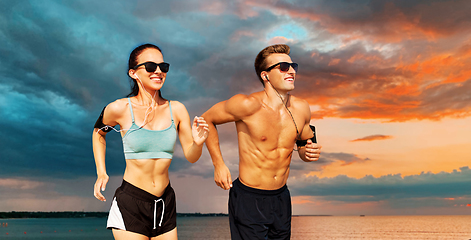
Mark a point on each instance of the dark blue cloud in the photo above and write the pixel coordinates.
(47, 136)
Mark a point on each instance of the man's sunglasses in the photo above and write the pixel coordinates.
(284, 66)
(152, 66)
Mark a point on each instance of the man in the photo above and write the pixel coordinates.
(268, 124)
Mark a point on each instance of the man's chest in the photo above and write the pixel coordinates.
(277, 127)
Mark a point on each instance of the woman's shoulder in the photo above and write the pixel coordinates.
(117, 107)
(176, 105)
(179, 110)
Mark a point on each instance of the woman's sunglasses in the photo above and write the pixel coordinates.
(152, 66)
(284, 66)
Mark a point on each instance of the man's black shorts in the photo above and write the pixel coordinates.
(136, 210)
(259, 214)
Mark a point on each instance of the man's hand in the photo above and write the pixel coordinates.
(222, 177)
(312, 151)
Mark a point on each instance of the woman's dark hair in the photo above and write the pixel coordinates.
(133, 62)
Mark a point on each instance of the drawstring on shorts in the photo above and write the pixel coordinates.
(155, 211)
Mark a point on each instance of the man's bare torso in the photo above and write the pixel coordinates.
(266, 141)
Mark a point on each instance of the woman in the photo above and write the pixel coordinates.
(144, 206)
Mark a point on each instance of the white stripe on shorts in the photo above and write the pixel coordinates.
(115, 219)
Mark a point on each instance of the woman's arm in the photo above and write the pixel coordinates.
(109, 117)
(99, 152)
(192, 136)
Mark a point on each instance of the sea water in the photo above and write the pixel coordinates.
(382, 227)
(212, 228)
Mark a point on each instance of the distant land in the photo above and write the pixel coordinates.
(313, 215)
(14, 214)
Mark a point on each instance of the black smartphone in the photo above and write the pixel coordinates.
(314, 139)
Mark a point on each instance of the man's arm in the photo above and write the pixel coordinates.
(231, 110)
(311, 151)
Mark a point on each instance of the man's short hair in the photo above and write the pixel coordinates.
(260, 61)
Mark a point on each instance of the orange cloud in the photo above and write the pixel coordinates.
(363, 57)
(279, 40)
(372, 138)
(449, 68)
(406, 89)
(367, 85)
(334, 62)
(338, 75)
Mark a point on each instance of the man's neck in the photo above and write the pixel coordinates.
(276, 97)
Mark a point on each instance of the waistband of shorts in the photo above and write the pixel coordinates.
(258, 191)
(141, 193)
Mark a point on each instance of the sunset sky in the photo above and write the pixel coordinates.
(388, 83)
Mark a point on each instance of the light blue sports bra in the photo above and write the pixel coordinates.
(141, 143)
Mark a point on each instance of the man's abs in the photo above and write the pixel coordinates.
(264, 173)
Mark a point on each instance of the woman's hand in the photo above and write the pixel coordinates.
(100, 185)
(199, 130)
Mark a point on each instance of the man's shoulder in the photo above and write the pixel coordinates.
(299, 102)
(244, 105)
(301, 106)
(251, 98)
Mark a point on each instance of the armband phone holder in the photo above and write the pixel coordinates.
(99, 123)
(302, 143)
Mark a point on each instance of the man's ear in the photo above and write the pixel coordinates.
(264, 76)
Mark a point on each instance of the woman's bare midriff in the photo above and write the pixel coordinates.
(150, 175)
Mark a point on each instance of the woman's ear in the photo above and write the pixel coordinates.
(132, 73)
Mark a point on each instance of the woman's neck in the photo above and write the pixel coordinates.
(147, 99)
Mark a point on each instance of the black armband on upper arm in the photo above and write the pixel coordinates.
(100, 125)
(302, 143)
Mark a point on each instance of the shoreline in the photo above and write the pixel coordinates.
(81, 214)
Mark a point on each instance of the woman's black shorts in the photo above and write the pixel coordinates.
(136, 210)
